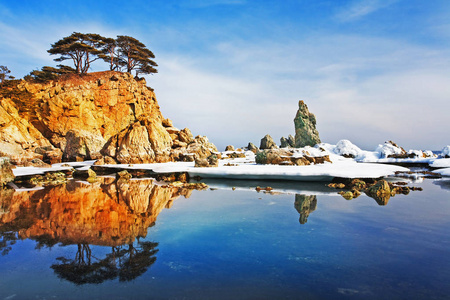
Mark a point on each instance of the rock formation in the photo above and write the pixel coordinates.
(6, 174)
(306, 133)
(90, 116)
(252, 147)
(287, 142)
(267, 143)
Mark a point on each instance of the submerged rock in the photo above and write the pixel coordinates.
(306, 133)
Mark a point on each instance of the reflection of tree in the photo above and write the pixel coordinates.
(305, 204)
(125, 262)
(7, 239)
(133, 261)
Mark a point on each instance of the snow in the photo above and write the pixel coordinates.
(24, 171)
(445, 151)
(365, 164)
(441, 163)
(388, 149)
(443, 172)
(320, 172)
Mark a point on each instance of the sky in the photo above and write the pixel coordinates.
(234, 70)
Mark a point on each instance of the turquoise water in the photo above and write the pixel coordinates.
(228, 244)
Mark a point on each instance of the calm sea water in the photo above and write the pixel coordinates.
(137, 240)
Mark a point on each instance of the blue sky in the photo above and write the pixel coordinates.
(234, 70)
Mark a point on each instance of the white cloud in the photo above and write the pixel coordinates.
(362, 89)
(361, 8)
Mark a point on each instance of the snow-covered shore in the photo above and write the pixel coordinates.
(357, 163)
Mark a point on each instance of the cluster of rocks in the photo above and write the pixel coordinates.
(287, 157)
(380, 190)
(106, 116)
(6, 173)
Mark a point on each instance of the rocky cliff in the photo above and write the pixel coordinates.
(90, 116)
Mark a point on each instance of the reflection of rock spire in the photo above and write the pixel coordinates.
(305, 204)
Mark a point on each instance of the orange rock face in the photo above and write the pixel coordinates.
(108, 115)
(81, 112)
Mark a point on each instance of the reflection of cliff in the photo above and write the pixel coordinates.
(305, 205)
(106, 213)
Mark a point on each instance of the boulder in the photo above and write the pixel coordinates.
(167, 122)
(306, 133)
(252, 147)
(82, 145)
(287, 142)
(273, 157)
(88, 174)
(185, 136)
(6, 173)
(210, 161)
(229, 148)
(267, 143)
(145, 141)
(200, 147)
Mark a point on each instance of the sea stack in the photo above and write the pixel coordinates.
(306, 133)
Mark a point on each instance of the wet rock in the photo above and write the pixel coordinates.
(124, 175)
(306, 133)
(380, 191)
(267, 143)
(88, 174)
(336, 185)
(348, 195)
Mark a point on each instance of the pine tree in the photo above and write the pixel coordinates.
(82, 48)
(134, 55)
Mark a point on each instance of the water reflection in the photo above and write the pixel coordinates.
(124, 262)
(108, 213)
(305, 204)
(444, 184)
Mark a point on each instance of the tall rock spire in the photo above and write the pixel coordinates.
(306, 133)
